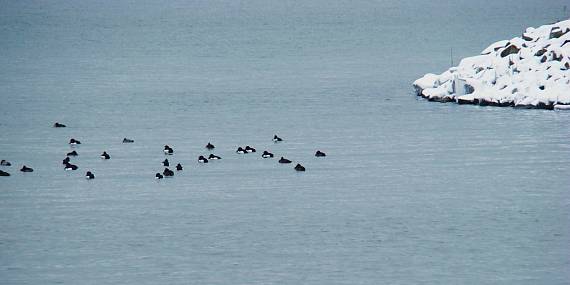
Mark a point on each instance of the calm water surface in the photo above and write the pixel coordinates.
(411, 192)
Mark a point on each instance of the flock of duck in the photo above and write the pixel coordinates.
(166, 163)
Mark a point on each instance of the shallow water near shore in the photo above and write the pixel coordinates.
(411, 191)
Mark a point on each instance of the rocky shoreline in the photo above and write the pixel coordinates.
(527, 72)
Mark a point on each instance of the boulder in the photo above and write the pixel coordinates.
(557, 32)
(511, 49)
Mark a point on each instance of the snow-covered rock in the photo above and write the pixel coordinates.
(531, 71)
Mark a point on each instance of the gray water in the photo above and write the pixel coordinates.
(411, 192)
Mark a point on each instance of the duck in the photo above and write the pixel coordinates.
(26, 169)
(240, 150)
(58, 125)
(166, 162)
(299, 167)
(89, 175)
(126, 140)
(105, 155)
(168, 173)
(277, 139)
(210, 146)
(74, 142)
(320, 154)
(73, 153)
(249, 149)
(5, 163)
(158, 176)
(66, 160)
(213, 157)
(284, 160)
(168, 150)
(69, 166)
(267, 154)
(202, 159)
(179, 167)
(4, 173)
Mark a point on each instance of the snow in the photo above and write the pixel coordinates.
(530, 71)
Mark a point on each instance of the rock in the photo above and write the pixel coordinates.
(511, 49)
(540, 52)
(526, 37)
(557, 32)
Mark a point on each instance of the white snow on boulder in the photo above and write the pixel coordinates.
(531, 71)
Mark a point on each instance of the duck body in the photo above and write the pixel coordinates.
(249, 149)
(73, 153)
(58, 125)
(202, 159)
(210, 146)
(240, 150)
(299, 167)
(26, 169)
(4, 173)
(179, 167)
(267, 154)
(69, 166)
(105, 155)
(158, 176)
(284, 160)
(168, 173)
(320, 154)
(126, 140)
(213, 157)
(89, 175)
(74, 142)
(166, 162)
(5, 163)
(277, 139)
(168, 150)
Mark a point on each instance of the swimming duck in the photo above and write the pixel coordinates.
(58, 125)
(105, 155)
(213, 157)
(299, 167)
(249, 149)
(284, 160)
(320, 154)
(5, 163)
(277, 139)
(166, 162)
(4, 173)
(179, 167)
(74, 142)
(267, 154)
(210, 146)
(69, 166)
(89, 175)
(73, 153)
(168, 173)
(202, 159)
(240, 150)
(168, 150)
(26, 169)
(126, 140)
